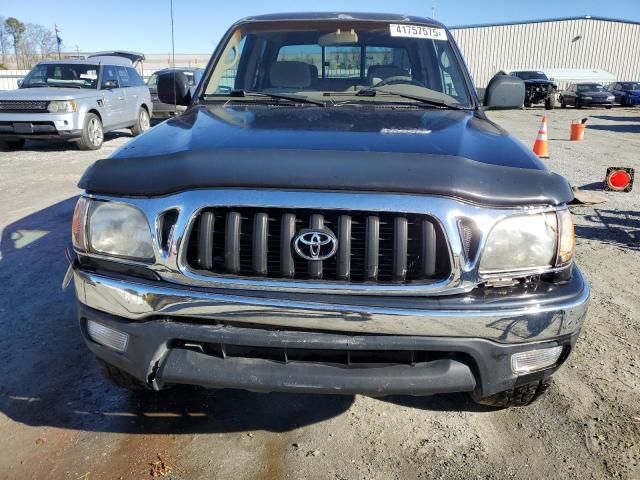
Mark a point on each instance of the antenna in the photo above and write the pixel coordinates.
(173, 58)
(433, 11)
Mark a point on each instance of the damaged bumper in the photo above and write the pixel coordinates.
(324, 343)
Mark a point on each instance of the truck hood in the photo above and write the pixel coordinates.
(47, 94)
(446, 152)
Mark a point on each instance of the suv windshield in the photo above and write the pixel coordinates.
(531, 75)
(334, 60)
(590, 87)
(62, 75)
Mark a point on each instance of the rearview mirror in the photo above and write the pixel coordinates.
(504, 92)
(173, 88)
(338, 38)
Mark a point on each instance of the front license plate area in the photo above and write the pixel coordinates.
(23, 128)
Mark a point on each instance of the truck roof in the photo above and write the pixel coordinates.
(320, 16)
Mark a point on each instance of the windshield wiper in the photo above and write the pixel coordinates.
(278, 96)
(372, 92)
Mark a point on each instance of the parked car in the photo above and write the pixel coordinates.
(539, 89)
(626, 94)
(586, 95)
(77, 100)
(302, 230)
(166, 110)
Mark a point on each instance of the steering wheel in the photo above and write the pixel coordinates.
(399, 79)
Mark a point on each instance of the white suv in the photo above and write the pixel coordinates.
(76, 100)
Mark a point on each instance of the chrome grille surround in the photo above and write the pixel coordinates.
(171, 265)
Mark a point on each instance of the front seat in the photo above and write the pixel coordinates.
(378, 73)
(290, 75)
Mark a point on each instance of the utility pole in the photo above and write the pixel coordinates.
(433, 12)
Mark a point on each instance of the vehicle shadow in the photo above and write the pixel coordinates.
(619, 128)
(617, 118)
(619, 228)
(53, 146)
(49, 378)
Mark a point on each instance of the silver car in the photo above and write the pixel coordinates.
(76, 100)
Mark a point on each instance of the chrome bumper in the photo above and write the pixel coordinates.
(528, 321)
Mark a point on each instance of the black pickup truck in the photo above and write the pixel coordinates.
(538, 88)
(333, 213)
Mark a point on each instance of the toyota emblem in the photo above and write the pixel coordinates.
(313, 244)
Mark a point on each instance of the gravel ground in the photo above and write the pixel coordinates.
(59, 419)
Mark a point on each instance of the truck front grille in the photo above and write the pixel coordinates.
(23, 106)
(377, 247)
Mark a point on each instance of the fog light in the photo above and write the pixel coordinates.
(526, 362)
(109, 337)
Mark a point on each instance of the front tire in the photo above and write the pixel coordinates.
(520, 396)
(577, 104)
(12, 145)
(562, 103)
(92, 133)
(142, 124)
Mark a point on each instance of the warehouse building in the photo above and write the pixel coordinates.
(588, 43)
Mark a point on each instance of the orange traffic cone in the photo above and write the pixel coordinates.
(541, 148)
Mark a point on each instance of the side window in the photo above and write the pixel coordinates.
(228, 79)
(109, 74)
(136, 79)
(123, 76)
(153, 81)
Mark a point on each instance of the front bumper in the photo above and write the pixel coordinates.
(468, 341)
(40, 125)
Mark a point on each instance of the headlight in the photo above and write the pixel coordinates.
(611, 97)
(529, 242)
(62, 106)
(113, 229)
(587, 98)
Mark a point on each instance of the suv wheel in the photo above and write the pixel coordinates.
(142, 124)
(562, 103)
(120, 378)
(92, 134)
(12, 145)
(520, 396)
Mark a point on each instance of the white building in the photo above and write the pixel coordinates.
(590, 43)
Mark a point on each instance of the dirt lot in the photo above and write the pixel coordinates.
(59, 419)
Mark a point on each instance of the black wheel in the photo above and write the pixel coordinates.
(562, 103)
(608, 107)
(142, 124)
(120, 378)
(528, 104)
(515, 397)
(550, 102)
(92, 134)
(577, 104)
(624, 102)
(12, 145)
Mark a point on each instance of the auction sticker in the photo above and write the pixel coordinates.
(417, 31)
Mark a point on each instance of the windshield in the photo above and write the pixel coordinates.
(334, 60)
(531, 75)
(590, 87)
(62, 75)
(631, 86)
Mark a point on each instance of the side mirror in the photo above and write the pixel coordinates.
(173, 88)
(109, 84)
(504, 92)
(19, 82)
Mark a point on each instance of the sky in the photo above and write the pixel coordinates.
(144, 25)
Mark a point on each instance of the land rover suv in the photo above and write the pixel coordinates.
(76, 100)
(333, 213)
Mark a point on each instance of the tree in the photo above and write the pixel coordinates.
(3, 41)
(39, 39)
(15, 28)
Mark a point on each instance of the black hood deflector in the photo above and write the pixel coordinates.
(390, 172)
